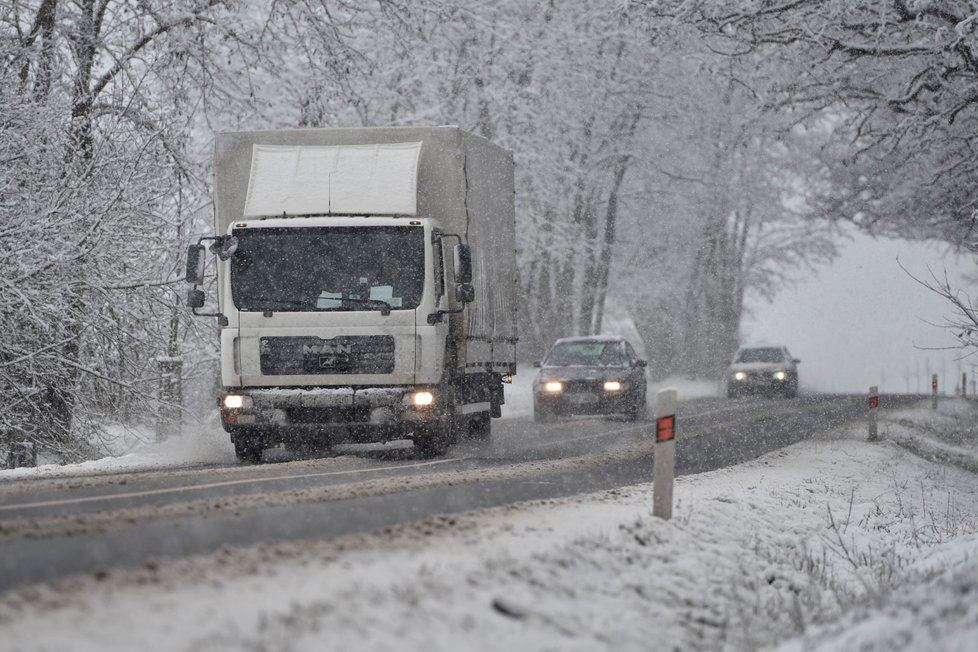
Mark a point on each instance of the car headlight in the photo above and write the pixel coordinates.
(553, 387)
(740, 375)
(236, 401)
(422, 399)
(612, 386)
(780, 375)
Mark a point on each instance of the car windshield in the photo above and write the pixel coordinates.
(586, 354)
(761, 355)
(328, 268)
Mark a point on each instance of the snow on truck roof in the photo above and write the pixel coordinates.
(462, 181)
(379, 179)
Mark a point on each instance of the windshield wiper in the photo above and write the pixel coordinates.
(294, 303)
(383, 306)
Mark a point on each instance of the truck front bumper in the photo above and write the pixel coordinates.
(330, 416)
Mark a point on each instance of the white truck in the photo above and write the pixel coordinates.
(366, 285)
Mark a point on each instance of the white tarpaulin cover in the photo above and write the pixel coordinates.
(342, 180)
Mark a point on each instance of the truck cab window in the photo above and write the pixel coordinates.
(438, 254)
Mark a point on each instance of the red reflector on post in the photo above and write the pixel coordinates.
(665, 428)
(874, 401)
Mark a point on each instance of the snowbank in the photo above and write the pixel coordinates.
(137, 450)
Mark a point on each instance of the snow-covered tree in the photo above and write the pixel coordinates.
(99, 188)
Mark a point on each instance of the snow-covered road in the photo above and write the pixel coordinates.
(829, 544)
(51, 527)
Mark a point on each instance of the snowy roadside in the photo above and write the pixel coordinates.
(136, 450)
(829, 544)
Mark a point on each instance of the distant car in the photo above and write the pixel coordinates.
(763, 370)
(590, 375)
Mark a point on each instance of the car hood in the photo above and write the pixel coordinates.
(580, 373)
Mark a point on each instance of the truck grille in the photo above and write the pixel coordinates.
(346, 354)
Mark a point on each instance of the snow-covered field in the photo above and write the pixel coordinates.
(833, 544)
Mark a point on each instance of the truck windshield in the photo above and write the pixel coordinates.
(328, 268)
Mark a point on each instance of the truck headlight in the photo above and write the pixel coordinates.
(422, 399)
(236, 401)
(612, 386)
(553, 387)
(740, 375)
(780, 375)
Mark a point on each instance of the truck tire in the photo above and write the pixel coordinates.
(480, 428)
(433, 440)
(248, 451)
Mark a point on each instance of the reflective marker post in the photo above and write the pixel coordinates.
(933, 389)
(874, 403)
(664, 465)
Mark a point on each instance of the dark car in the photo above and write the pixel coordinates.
(590, 375)
(763, 370)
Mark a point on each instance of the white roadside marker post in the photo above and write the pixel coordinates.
(933, 390)
(874, 403)
(663, 468)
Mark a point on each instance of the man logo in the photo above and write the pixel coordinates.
(327, 348)
(334, 357)
(338, 362)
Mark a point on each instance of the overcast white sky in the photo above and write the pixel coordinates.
(862, 321)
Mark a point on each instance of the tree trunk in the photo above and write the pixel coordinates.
(607, 246)
(43, 29)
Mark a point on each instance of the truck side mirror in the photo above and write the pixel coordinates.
(195, 264)
(464, 293)
(463, 264)
(224, 246)
(195, 298)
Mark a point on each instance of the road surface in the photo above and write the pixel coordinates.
(50, 528)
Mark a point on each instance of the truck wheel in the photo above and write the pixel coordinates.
(480, 428)
(433, 440)
(248, 451)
